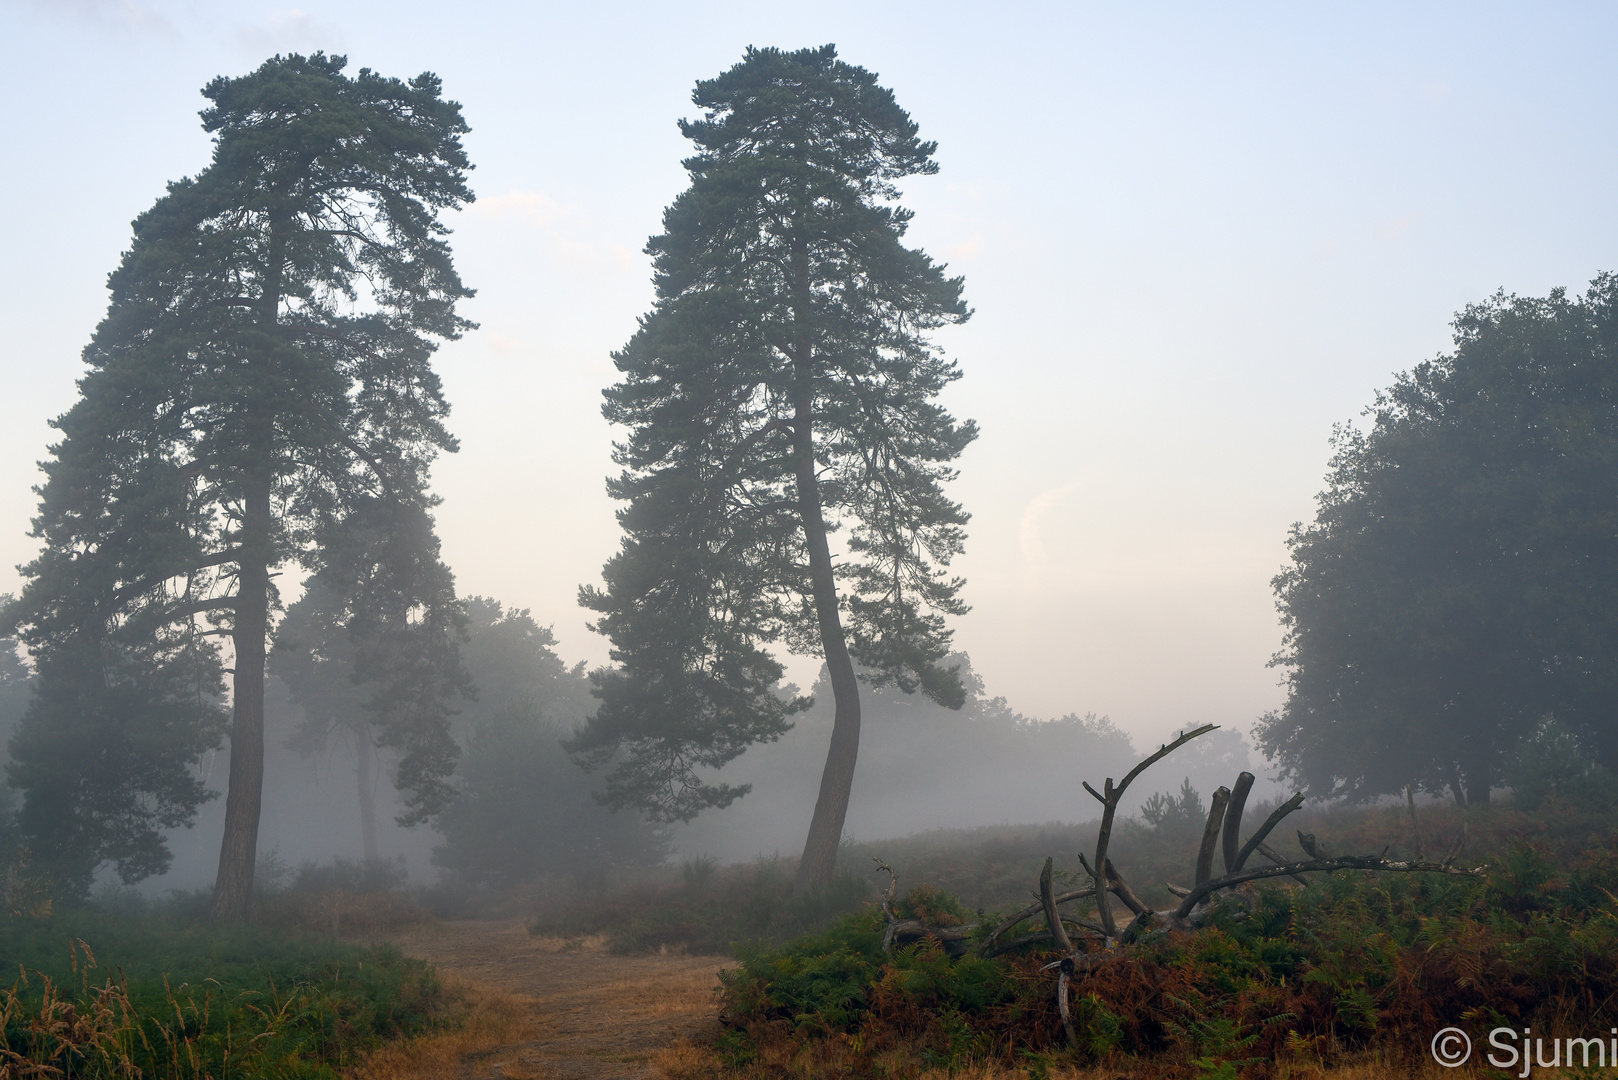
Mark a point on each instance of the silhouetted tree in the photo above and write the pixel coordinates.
(260, 382)
(782, 387)
(1458, 583)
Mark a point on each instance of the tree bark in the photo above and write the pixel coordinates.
(819, 859)
(238, 851)
(367, 791)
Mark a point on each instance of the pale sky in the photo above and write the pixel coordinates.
(1195, 237)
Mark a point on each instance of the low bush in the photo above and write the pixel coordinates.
(1280, 978)
(150, 993)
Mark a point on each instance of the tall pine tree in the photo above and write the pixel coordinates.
(782, 388)
(259, 395)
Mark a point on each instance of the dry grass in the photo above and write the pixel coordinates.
(552, 944)
(490, 1020)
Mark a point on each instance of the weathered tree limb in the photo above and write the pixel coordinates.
(1264, 830)
(987, 952)
(886, 903)
(1109, 802)
(1068, 968)
(1053, 920)
(1034, 909)
(1276, 857)
(1233, 819)
(1210, 833)
(1120, 888)
(1342, 862)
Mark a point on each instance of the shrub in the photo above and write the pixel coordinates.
(103, 994)
(1277, 973)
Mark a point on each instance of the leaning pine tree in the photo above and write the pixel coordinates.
(259, 394)
(782, 389)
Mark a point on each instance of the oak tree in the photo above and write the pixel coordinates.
(1456, 587)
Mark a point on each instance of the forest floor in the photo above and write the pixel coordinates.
(548, 1008)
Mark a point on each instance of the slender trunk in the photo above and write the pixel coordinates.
(837, 781)
(238, 851)
(1455, 786)
(362, 775)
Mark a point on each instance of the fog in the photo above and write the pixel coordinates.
(922, 767)
(1194, 240)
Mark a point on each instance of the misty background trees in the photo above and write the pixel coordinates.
(782, 389)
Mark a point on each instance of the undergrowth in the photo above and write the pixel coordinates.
(1281, 980)
(100, 994)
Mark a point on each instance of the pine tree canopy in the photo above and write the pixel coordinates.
(258, 395)
(781, 392)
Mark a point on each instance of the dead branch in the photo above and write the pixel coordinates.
(1276, 857)
(1233, 819)
(1022, 915)
(1311, 846)
(1109, 803)
(886, 903)
(1120, 888)
(1210, 833)
(1264, 830)
(1047, 897)
(1342, 862)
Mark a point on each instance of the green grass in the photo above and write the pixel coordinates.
(95, 993)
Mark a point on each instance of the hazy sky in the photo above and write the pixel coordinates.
(1195, 237)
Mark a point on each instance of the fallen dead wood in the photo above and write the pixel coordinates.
(1222, 833)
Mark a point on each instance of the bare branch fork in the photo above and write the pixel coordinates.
(1109, 804)
(1222, 833)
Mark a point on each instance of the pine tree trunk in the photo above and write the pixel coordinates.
(238, 851)
(367, 793)
(819, 859)
(837, 781)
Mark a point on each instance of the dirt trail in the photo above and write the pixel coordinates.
(596, 1016)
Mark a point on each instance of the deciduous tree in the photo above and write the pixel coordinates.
(1458, 582)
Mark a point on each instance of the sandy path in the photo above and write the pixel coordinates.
(596, 1016)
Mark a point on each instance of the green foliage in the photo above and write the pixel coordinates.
(783, 386)
(174, 999)
(1454, 587)
(1554, 761)
(259, 393)
(1175, 814)
(1276, 974)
